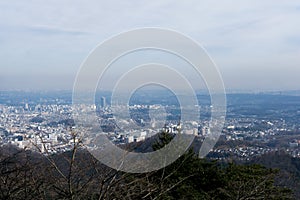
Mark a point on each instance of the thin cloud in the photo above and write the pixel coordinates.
(243, 37)
(50, 30)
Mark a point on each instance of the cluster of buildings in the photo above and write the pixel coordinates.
(244, 138)
(39, 127)
(47, 128)
(245, 153)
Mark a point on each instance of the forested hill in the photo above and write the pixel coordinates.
(77, 175)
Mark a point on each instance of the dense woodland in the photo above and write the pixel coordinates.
(77, 175)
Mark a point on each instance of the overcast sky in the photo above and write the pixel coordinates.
(255, 43)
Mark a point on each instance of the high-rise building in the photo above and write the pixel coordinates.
(103, 102)
(26, 107)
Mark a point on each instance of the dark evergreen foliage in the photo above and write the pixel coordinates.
(77, 175)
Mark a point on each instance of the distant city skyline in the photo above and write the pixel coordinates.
(255, 44)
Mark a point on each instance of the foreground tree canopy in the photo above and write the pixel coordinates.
(77, 175)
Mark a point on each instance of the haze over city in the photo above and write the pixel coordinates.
(149, 99)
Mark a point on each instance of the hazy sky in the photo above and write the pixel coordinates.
(255, 43)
